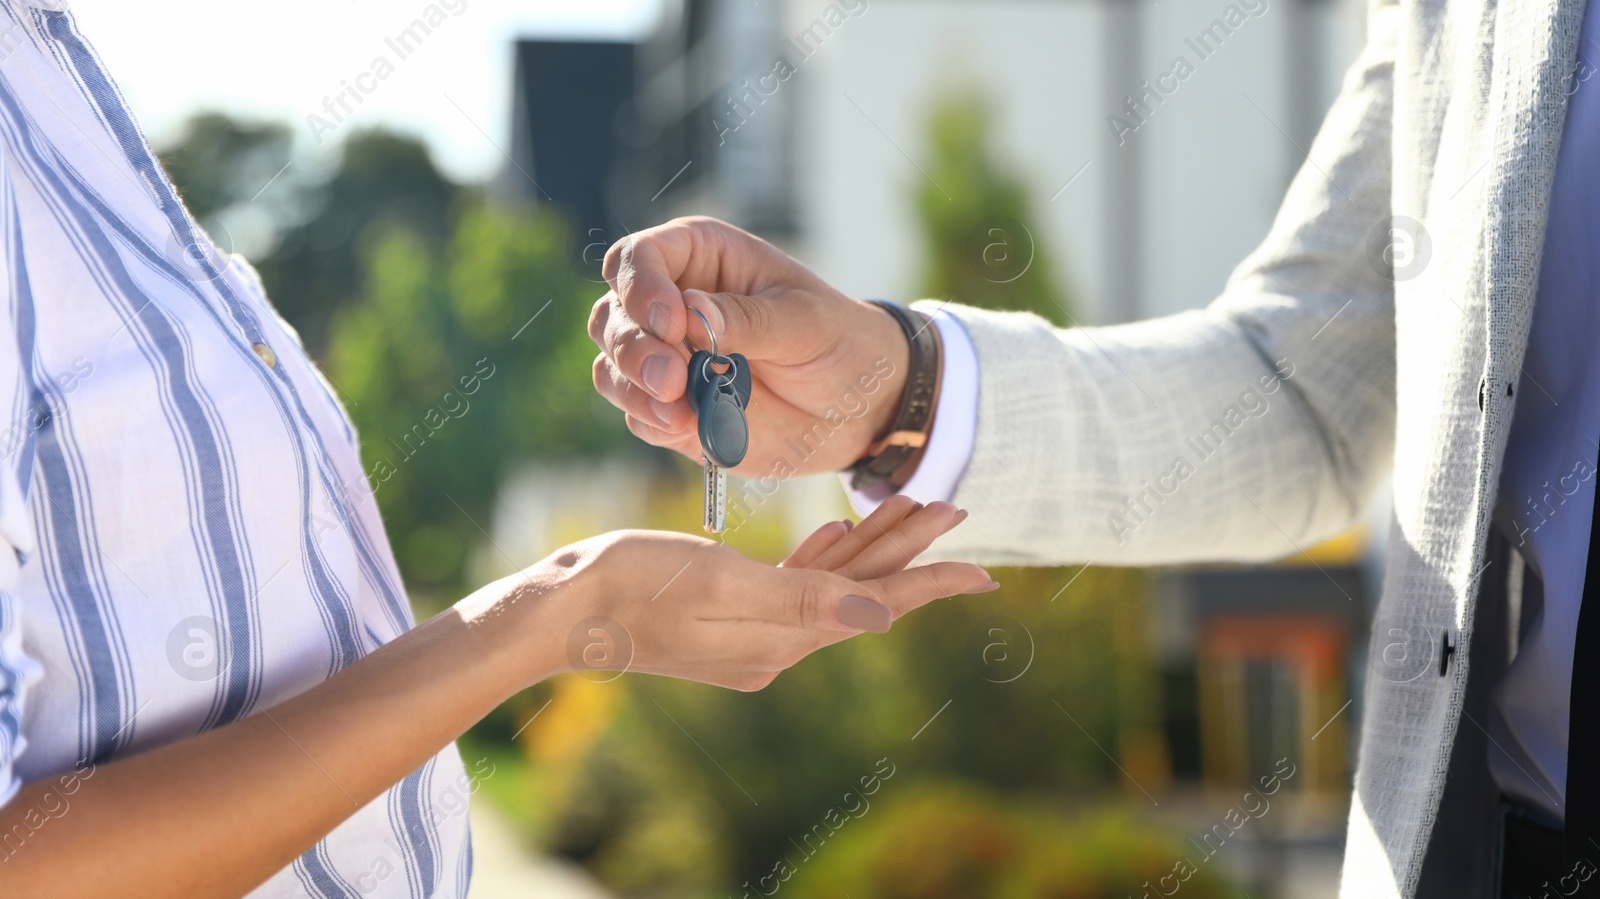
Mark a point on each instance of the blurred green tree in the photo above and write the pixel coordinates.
(452, 330)
(980, 246)
(458, 359)
(318, 263)
(301, 222)
(981, 249)
(218, 161)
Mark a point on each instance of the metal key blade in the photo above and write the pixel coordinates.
(716, 502)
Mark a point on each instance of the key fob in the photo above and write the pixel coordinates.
(697, 379)
(741, 379)
(724, 433)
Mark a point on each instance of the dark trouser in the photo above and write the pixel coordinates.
(1481, 847)
(1533, 863)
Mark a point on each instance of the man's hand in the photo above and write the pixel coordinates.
(828, 370)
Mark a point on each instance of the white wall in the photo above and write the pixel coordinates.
(856, 182)
(1212, 167)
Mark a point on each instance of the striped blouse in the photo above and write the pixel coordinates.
(191, 536)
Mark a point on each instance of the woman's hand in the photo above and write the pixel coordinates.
(683, 606)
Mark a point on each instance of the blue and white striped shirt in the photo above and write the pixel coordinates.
(192, 537)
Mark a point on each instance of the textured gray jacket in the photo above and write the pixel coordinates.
(1380, 326)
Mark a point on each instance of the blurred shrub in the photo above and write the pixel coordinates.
(963, 842)
(1044, 698)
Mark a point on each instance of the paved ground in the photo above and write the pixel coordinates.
(502, 869)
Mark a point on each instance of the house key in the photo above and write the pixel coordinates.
(718, 398)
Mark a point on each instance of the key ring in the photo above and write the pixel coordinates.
(707, 322)
(731, 374)
(716, 356)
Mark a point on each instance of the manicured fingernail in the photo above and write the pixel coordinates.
(663, 412)
(660, 320)
(848, 524)
(701, 300)
(961, 515)
(986, 588)
(654, 371)
(863, 614)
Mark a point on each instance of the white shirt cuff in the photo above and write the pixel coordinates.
(955, 423)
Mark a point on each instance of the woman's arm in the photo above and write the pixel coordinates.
(218, 814)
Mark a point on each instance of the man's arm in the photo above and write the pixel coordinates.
(1247, 430)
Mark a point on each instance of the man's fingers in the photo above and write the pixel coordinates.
(644, 268)
(889, 513)
(816, 544)
(896, 547)
(657, 368)
(688, 444)
(914, 588)
(674, 418)
(598, 315)
(758, 326)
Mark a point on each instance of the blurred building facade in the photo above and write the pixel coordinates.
(1159, 138)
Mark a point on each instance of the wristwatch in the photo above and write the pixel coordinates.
(894, 454)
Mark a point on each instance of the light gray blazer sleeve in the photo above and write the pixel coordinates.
(1244, 431)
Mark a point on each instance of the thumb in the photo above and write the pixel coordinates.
(743, 324)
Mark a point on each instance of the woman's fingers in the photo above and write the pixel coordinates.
(912, 589)
(884, 518)
(895, 548)
(803, 598)
(809, 599)
(907, 591)
(816, 544)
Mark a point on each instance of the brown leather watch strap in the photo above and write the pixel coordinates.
(896, 450)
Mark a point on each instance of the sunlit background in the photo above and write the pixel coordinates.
(427, 189)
